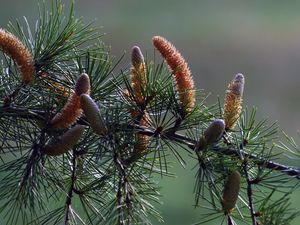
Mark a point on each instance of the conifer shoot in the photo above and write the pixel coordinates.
(138, 72)
(15, 49)
(233, 101)
(182, 74)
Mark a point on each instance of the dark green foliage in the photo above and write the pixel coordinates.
(102, 180)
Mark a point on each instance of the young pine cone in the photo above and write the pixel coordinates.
(92, 113)
(231, 191)
(66, 142)
(212, 134)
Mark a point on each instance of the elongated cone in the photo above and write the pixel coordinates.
(72, 109)
(66, 142)
(231, 191)
(233, 101)
(211, 134)
(182, 74)
(138, 72)
(92, 113)
(15, 49)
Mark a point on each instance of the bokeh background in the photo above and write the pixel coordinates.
(218, 39)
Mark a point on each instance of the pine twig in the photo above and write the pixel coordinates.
(9, 98)
(191, 143)
(71, 189)
(269, 164)
(123, 185)
(230, 221)
(23, 112)
(119, 201)
(249, 193)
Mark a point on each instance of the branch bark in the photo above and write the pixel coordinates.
(249, 193)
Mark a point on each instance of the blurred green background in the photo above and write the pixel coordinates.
(261, 39)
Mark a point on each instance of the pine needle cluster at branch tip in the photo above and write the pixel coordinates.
(72, 109)
(233, 101)
(231, 192)
(138, 72)
(182, 74)
(14, 48)
(67, 141)
(92, 113)
(212, 134)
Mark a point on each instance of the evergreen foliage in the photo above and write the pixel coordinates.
(147, 115)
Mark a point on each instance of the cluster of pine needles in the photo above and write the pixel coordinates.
(81, 143)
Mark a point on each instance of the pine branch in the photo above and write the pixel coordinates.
(123, 186)
(71, 189)
(191, 143)
(148, 112)
(249, 193)
(229, 151)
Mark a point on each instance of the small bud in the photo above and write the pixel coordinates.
(231, 191)
(66, 142)
(138, 72)
(212, 134)
(82, 84)
(92, 114)
(137, 57)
